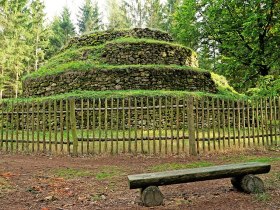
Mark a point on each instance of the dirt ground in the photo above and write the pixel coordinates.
(42, 182)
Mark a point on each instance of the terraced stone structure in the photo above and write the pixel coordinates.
(120, 60)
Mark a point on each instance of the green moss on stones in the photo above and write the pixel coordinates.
(125, 60)
(122, 94)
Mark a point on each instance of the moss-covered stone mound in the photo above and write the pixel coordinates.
(120, 60)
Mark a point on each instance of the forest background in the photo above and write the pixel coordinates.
(235, 38)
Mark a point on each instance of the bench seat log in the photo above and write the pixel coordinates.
(196, 174)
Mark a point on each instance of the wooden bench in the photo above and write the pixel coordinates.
(242, 175)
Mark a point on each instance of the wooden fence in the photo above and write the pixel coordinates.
(147, 125)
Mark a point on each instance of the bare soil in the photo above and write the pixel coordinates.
(32, 182)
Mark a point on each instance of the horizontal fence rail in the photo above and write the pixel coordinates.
(147, 125)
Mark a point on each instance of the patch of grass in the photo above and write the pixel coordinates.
(118, 94)
(80, 65)
(176, 166)
(5, 186)
(97, 197)
(243, 158)
(88, 54)
(262, 197)
(71, 173)
(108, 172)
(133, 40)
(274, 180)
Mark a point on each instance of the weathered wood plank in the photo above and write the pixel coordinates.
(196, 174)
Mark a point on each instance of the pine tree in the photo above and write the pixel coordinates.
(155, 14)
(117, 15)
(89, 18)
(66, 25)
(61, 30)
(39, 34)
(14, 20)
(137, 11)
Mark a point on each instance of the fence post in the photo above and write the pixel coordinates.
(73, 126)
(192, 140)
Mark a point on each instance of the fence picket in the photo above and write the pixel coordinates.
(165, 124)
(123, 123)
(55, 125)
(208, 125)
(22, 127)
(197, 125)
(253, 122)
(99, 126)
(93, 125)
(112, 125)
(228, 122)
(2, 126)
(275, 121)
(61, 125)
(106, 124)
(171, 124)
(12, 132)
(160, 129)
(153, 125)
(239, 123)
(82, 126)
(129, 125)
(224, 123)
(49, 125)
(178, 126)
(17, 126)
(202, 124)
(266, 122)
(135, 125)
(148, 124)
(117, 125)
(142, 125)
(219, 123)
(270, 121)
(258, 123)
(184, 127)
(243, 123)
(88, 126)
(262, 122)
(213, 123)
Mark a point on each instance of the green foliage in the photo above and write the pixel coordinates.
(184, 27)
(223, 86)
(237, 38)
(268, 86)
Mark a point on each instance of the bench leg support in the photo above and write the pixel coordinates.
(248, 183)
(151, 196)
